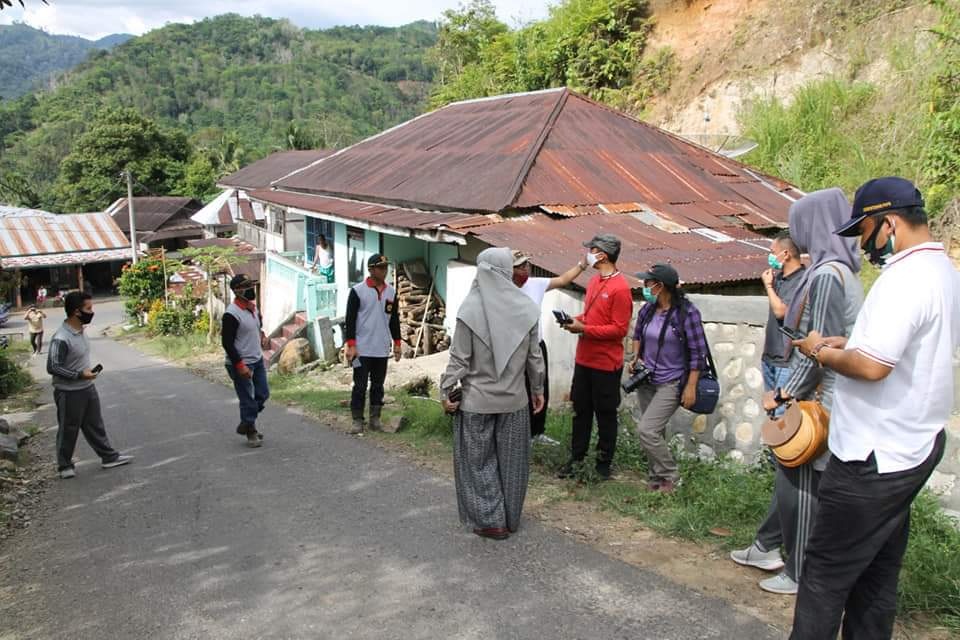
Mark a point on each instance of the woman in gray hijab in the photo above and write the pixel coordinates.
(828, 299)
(495, 342)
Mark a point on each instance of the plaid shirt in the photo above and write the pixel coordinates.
(696, 340)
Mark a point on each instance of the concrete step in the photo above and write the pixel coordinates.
(289, 330)
(300, 318)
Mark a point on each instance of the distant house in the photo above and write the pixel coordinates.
(541, 172)
(60, 251)
(160, 221)
(233, 212)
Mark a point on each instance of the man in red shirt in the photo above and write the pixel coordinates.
(603, 325)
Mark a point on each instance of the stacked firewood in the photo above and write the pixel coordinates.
(413, 308)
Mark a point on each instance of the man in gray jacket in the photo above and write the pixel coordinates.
(78, 404)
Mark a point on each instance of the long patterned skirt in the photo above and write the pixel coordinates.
(491, 461)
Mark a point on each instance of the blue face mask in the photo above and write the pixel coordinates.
(773, 262)
(649, 296)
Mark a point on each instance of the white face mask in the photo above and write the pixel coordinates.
(592, 259)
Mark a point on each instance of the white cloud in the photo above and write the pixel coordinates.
(97, 18)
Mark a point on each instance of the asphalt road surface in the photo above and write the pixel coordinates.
(315, 535)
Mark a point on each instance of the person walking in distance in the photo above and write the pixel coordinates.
(893, 400)
(74, 391)
(373, 325)
(35, 318)
(536, 289)
(243, 340)
(607, 308)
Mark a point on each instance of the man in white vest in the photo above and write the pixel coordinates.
(372, 334)
(243, 340)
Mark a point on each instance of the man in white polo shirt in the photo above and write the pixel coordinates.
(892, 400)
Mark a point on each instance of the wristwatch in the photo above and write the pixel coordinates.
(778, 396)
(815, 352)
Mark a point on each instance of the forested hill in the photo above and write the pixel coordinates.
(31, 56)
(236, 88)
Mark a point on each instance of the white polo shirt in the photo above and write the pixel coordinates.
(910, 321)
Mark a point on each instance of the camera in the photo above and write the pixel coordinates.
(638, 377)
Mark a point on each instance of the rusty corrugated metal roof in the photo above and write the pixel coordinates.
(44, 233)
(551, 148)
(381, 214)
(554, 244)
(261, 173)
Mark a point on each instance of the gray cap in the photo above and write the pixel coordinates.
(606, 242)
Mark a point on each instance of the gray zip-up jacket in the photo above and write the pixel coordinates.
(68, 356)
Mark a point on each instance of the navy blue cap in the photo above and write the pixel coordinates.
(877, 196)
(661, 273)
(377, 260)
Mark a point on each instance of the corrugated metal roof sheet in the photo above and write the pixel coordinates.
(261, 173)
(229, 207)
(48, 233)
(65, 259)
(152, 212)
(553, 149)
(554, 243)
(374, 213)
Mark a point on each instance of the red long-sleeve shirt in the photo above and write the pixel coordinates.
(607, 310)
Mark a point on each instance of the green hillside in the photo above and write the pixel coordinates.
(237, 87)
(31, 56)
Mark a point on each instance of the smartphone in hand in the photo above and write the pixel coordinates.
(562, 317)
(97, 369)
(793, 334)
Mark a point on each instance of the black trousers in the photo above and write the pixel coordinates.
(856, 549)
(373, 370)
(595, 393)
(36, 341)
(538, 421)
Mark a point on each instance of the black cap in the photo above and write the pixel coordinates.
(606, 242)
(241, 281)
(661, 273)
(377, 260)
(877, 196)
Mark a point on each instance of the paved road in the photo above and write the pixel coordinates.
(316, 535)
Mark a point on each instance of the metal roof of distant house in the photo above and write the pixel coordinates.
(32, 238)
(549, 169)
(154, 212)
(231, 206)
(261, 173)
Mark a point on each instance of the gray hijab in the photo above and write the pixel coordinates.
(812, 221)
(496, 310)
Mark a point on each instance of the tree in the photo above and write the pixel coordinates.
(464, 33)
(200, 178)
(214, 260)
(119, 140)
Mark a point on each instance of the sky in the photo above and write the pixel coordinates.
(97, 18)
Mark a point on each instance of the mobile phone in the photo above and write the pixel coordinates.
(562, 317)
(793, 334)
(97, 369)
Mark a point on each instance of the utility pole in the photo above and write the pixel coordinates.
(133, 220)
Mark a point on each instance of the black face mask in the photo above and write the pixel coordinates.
(86, 317)
(875, 255)
(249, 294)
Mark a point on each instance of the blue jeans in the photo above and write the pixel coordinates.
(252, 393)
(774, 377)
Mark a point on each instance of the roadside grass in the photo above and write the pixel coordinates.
(175, 348)
(303, 391)
(16, 382)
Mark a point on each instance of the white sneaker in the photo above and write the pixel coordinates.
(781, 584)
(68, 473)
(545, 439)
(119, 462)
(753, 556)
